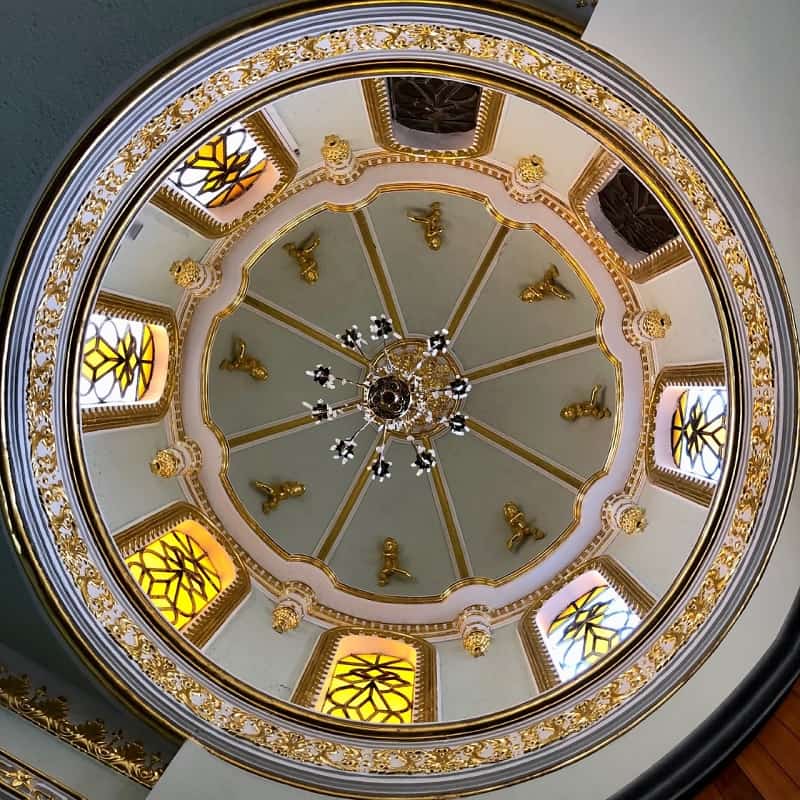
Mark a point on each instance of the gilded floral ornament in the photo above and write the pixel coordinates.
(196, 276)
(645, 326)
(526, 178)
(621, 513)
(339, 160)
(475, 626)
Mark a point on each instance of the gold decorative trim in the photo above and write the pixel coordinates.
(692, 488)
(195, 691)
(21, 780)
(178, 205)
(121, 415)
(91, 737)
(626, 586)
(597, 173)
(332, 645)
(208, 621)
(376, 100)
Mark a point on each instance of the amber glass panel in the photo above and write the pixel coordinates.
(371, 688)
(699, 432)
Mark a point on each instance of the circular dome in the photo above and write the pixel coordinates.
(369, 360)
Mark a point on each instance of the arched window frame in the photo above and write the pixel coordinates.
(559, 594)
(135, 413)
(377, 101)
(214, 223)
(601, 169)
(670, 383)
(338, 643)
(234, 588)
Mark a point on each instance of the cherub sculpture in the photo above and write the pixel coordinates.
(391, 555)
(432, 225)
(521, 529)
(303, 254)
(587, 408)
(243, 362)
(277, 494)
(546, 286)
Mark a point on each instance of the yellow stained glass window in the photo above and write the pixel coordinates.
(223, 169)
(699, 431)
(588, 628)
(177, 574)
(119, 357)
(371, 687)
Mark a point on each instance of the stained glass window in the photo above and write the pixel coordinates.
(699, 431)
(223, 169)
(119, 357)
(371, 688)
(177, 574)
(588, 628)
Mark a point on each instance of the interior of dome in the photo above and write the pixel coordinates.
(397, 405)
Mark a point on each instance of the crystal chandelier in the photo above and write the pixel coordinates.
(412, 389)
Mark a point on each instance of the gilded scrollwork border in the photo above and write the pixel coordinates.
(189, 690)
(28, 783)
(208, 621)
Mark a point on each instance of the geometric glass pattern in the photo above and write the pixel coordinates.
(589, 628)
(177, 575)
(223, 169)
(118, 360)
(371, 688)
(699, 432)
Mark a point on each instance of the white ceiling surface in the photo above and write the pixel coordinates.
(500, 325)
(298, 523)
(249, 648)
(345, 292)
(695, 333)
(118, 466)
(526, 406)
(140, 266)
(481, 478)
(238, 403)
(527, 129)
(314, 113)
(404, 508)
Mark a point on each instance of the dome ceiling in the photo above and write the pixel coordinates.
(568, 537)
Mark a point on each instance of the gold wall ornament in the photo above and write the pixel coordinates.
(303, 254)
(526, 178)
(293, 605)
(593, 407)
(276, 494)
(340, 163)
(181, 458)
(432, 227)
(644, 327)
(621, 513)
(339, 643)
(475, 627)
(24, 781)
(520, 528)
(241, 361)
(197, 277)
(548, 286)
(91, 737)
(391, 559)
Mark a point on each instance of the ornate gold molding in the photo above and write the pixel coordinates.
(692, 488)
(121, 415)
(600, 169)
(91, 737)
(178, 205)
(28, 783)
(208, 621)
(626, 586)
(338, 642)
(376, 100)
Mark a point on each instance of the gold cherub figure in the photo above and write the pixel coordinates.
(520, 527)
(243, 362)
(546, 286)
(391, 555)
(587, 408)
(432, 223)
(303, 254)
(277, 494)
